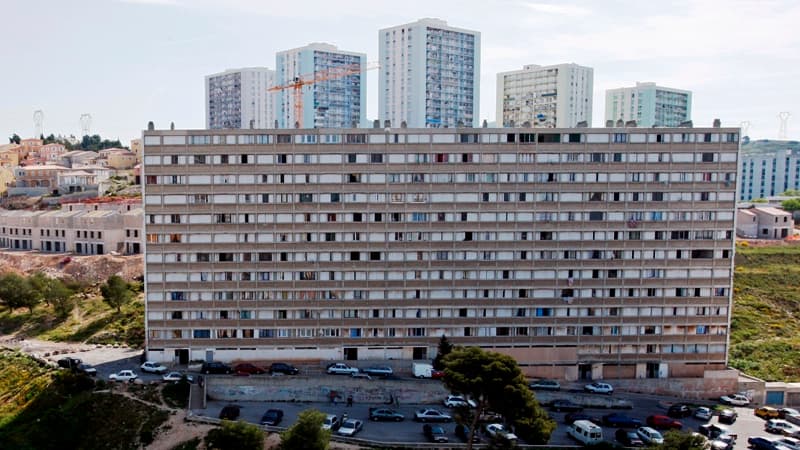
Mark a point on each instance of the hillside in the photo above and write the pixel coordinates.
(765, 328)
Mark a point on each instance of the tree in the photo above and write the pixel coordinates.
(791, 205)
(235, 436)
(445, 347)
(53, 292)
(116, 292)
(17, 292)
(14, 139)
(306, 433)
(791, 193)
(676, 440)
(495, 382)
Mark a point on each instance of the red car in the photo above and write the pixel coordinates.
(248, 369)
(663, 423)
(437, 374)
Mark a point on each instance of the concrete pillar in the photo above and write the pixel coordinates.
(641, 371)
(597, 371)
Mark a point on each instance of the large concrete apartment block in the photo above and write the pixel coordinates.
(580, 252)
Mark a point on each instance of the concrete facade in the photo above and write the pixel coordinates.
(430, 75)
(579, 252)
(649, 105)
(545, 96)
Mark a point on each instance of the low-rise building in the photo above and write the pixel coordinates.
(121, 159)
(9, 155)
(51, 153)
(764, 222)
(78, 158)
(81, 228)
(38, 176)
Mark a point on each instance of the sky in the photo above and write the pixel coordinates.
(127, 62)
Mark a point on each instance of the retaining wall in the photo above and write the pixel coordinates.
(318, 389)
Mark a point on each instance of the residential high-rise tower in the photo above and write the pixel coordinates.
(649, 105)
(584, 252)
(337, 98)
(429, 75)
(239, 98)
(545, 96)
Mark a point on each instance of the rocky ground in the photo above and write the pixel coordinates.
(89, 269)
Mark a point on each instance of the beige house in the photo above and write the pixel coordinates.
(121, 159)
(746, 223)
(773, 223)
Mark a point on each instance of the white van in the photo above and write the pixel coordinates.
(422, 370)
(585, 432)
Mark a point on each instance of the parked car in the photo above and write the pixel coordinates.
(350, 427)
(789, 442)
(723, 442)
(458, 401)
(766, 412)
(249, 369)
(663, 423)
(230, 412)
(649, 435)
(762, 443)
(783, 427)
(569, 418)
(272, 417)
(728, 416)
(792, 418)
(599, 388)
(783, 412)
(215, 367)
(628, 438)
(174, 377)
(498, 431)
(331, 422)
(462, 432)
(123, 375)
(488, 416)
(565, 405)
(385, 415)
(431, 415)
(434, 433)
(378, 371)
(735, 400)
(87, 369)
(545, 385)
(283, 368)
(437, 374)
(703, 413)
(713, 431)
(153, 367)
(621, 421)
(69, 363)
(679, 411)
(340, 369)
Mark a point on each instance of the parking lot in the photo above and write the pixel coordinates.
(746, 425)
(111, 360)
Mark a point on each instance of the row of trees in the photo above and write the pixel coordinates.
(92, 143)
(17, 291)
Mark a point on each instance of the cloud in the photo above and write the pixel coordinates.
(563, 10)
(153, 2)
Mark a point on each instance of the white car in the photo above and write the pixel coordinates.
(735, 400)
(790, 442)
(331, 422)
(174, 377)
(432, 415)
(153, 367)
(123, 375)
(341, 369)
(703, 413)
(599, 388)
(498, 430)
(350, 427)
(650, 436)
(782, 427)
(457, 401)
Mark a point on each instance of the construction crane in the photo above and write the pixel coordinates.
(297, 84)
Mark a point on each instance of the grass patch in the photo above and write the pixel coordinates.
(176, 395)
(765, 324)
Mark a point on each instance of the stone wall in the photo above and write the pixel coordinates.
(319, 389)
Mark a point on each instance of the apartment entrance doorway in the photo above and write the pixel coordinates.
(351, 353)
